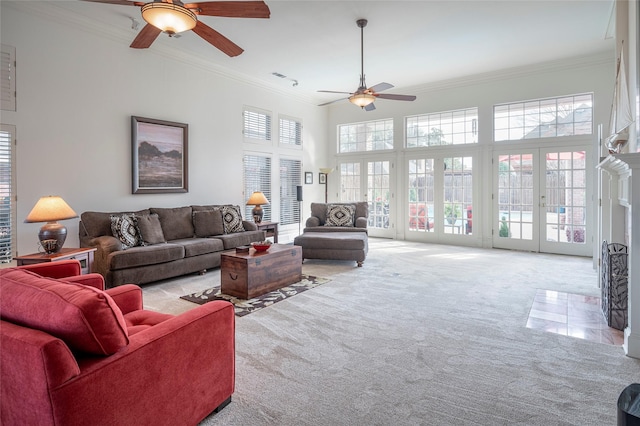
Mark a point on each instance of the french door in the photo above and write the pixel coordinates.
(540, 200)
(370, 180)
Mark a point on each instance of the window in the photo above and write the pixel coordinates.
(443, 128)
(421, 194)
(544, 118)
(7, 194)
(257, 124)
(8, 77)
(257, 177)
(350, 182)
(290, 132)
(290, 178)
(366, 136)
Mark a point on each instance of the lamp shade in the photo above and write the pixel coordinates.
(362, 99)
(257, 199)
(326, 170)
(168, 17)
(50, 209)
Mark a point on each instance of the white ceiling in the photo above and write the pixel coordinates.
(406, 43)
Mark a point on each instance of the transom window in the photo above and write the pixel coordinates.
(290, 132)
(544, 118)
(365, 136)
(442, 128)
(257, 124)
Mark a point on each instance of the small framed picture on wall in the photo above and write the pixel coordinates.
(322, 178)
(308, 178)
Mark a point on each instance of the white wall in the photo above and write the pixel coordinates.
(76, 93)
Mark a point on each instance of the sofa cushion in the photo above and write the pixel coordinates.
(140, 320)
(232, 219)
(150, 229)
(340, 215)
(125, 228)
(207, 223)
(97, 224)
(198, 246)
(176, 222)
(85, 318)
(143, 256)
(238, 239)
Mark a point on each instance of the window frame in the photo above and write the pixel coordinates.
(8, 214)
(254, 130)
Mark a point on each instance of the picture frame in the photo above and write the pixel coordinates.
(159, 156)
(322, 178)
(308, 178)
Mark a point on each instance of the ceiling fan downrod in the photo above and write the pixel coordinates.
(361, 24)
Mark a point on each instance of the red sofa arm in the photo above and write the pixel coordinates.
(128, 297)
(183, 367)
(59, 269)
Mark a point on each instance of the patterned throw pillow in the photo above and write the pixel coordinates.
(125, 228)
(340, 215)
(232, 219)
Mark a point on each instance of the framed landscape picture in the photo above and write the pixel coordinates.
(159, 156)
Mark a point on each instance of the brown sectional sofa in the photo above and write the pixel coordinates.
(189, 239)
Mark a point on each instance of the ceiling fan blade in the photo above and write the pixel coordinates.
(332, 102)
(231, 9)
(380, 87)
(370, 107)
(396, 97)
(145, 37)
(332, 91)
(120, 2)
(217, 40)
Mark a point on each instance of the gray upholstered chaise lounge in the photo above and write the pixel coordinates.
(336, 231)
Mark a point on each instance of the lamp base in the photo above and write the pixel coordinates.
(52, 236)
(257, 214)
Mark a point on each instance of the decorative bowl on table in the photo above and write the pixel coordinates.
(261, 245)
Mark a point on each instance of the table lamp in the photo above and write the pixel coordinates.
(50, 209)
(257, 199)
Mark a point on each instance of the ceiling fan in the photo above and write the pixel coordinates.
(174, 16)
(364, 97)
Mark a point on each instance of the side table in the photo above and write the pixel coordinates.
(83, 255)
(271, 229)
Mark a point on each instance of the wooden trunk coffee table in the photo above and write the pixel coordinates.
(248, 275)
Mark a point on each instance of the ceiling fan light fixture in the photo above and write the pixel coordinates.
(361, 99)
(169, 17)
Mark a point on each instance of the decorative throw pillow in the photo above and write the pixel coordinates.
(232, 219)
(340, 215)
(207, 223)
(150, 229)
(125, 228)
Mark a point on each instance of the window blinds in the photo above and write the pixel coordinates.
(290, 178)
(7, 194)
(257, 177)
(257, 124)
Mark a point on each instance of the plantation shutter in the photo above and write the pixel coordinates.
(290, 178)
(290, 132)
(8, 77)
(8, 222)
(257, 177)
(257, 124)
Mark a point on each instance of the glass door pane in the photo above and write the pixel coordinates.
(421, 195)
(379, 193)
(514, 225)
(564, 204)
(350, 182)
(458, 195)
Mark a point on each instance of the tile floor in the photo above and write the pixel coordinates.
(572, 315)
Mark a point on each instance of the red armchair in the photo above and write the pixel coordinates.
(72, 353)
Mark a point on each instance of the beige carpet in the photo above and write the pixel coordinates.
(421, 335)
